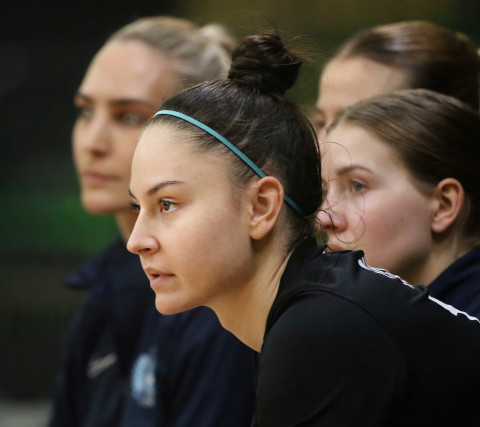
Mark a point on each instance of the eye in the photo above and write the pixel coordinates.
(358, 187)
(132, 119)
(84, 112)
(318, 120)
(135, 207)
(166, 205)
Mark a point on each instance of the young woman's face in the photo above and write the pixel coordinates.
(123, 87)
(373, 202)
(192, 227)
(346, 81)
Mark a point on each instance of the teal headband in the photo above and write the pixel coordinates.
(228, 144)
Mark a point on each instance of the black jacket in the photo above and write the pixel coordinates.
(349, 345)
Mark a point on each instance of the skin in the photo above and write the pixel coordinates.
(203, 240)
(122, 88)
(376, 205)
(346, 81)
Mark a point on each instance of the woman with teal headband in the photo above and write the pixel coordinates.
(226, 182)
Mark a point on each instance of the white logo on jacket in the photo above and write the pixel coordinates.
(97, 366)
(143, 380)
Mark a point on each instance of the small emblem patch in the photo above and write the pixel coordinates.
(143, 380)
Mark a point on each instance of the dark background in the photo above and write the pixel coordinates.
(45, 48)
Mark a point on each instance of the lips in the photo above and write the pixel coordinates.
(97, 178)
(158, 279)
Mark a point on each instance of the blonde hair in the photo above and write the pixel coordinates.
(198, 53)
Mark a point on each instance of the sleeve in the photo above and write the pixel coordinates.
(62, 409)
(81, 399)
(209, 373)
(326, 362)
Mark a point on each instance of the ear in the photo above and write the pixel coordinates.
(449, 196)
(267, 202)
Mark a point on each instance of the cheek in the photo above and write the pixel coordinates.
(398, 226)
(76, 143)
(218, 232)
(213, 242)
(382, 217)
(125, 148)
(373, 220)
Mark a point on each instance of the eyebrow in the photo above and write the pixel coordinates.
(121, 101)
(316, 110)
(346, 169)
(157, 187)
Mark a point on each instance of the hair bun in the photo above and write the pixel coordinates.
(263, 62)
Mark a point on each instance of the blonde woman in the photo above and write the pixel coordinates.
(126, 364)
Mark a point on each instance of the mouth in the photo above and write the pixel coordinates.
(96, 178)
(157, 278)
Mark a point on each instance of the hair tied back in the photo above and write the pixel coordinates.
(264, 62)
(258, 80)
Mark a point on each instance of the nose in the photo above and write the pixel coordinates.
(141, 242)
(94, 135)
(322, 134)
(325, 221)
(330, 218)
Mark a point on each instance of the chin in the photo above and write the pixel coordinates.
(101, 206)
(98, 210)
(165, 307)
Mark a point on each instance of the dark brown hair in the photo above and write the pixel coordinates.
(432, 56)
(435, 136)
(250, 111)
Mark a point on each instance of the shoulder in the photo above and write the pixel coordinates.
(342, 276)
(319, 353)
(350, 266)
(321, 318)
(459, 284)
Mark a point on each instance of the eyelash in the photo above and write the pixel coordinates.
(135, 207)
(131, 119)
(359, 184)
(318, 121)
(126, 118)
(162, 203)
(84, 112)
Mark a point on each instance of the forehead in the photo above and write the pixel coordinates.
(350, 144)
(164, 154)
(130, 69)
(346, 81)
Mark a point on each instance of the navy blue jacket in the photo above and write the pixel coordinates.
(125, 364)
(459, 284)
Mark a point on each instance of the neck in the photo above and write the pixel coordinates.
(125, 221)
(441, 256)
(244, 312)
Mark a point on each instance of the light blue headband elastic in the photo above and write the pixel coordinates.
(228, 144)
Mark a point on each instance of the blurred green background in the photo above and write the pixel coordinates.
(45, 48)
